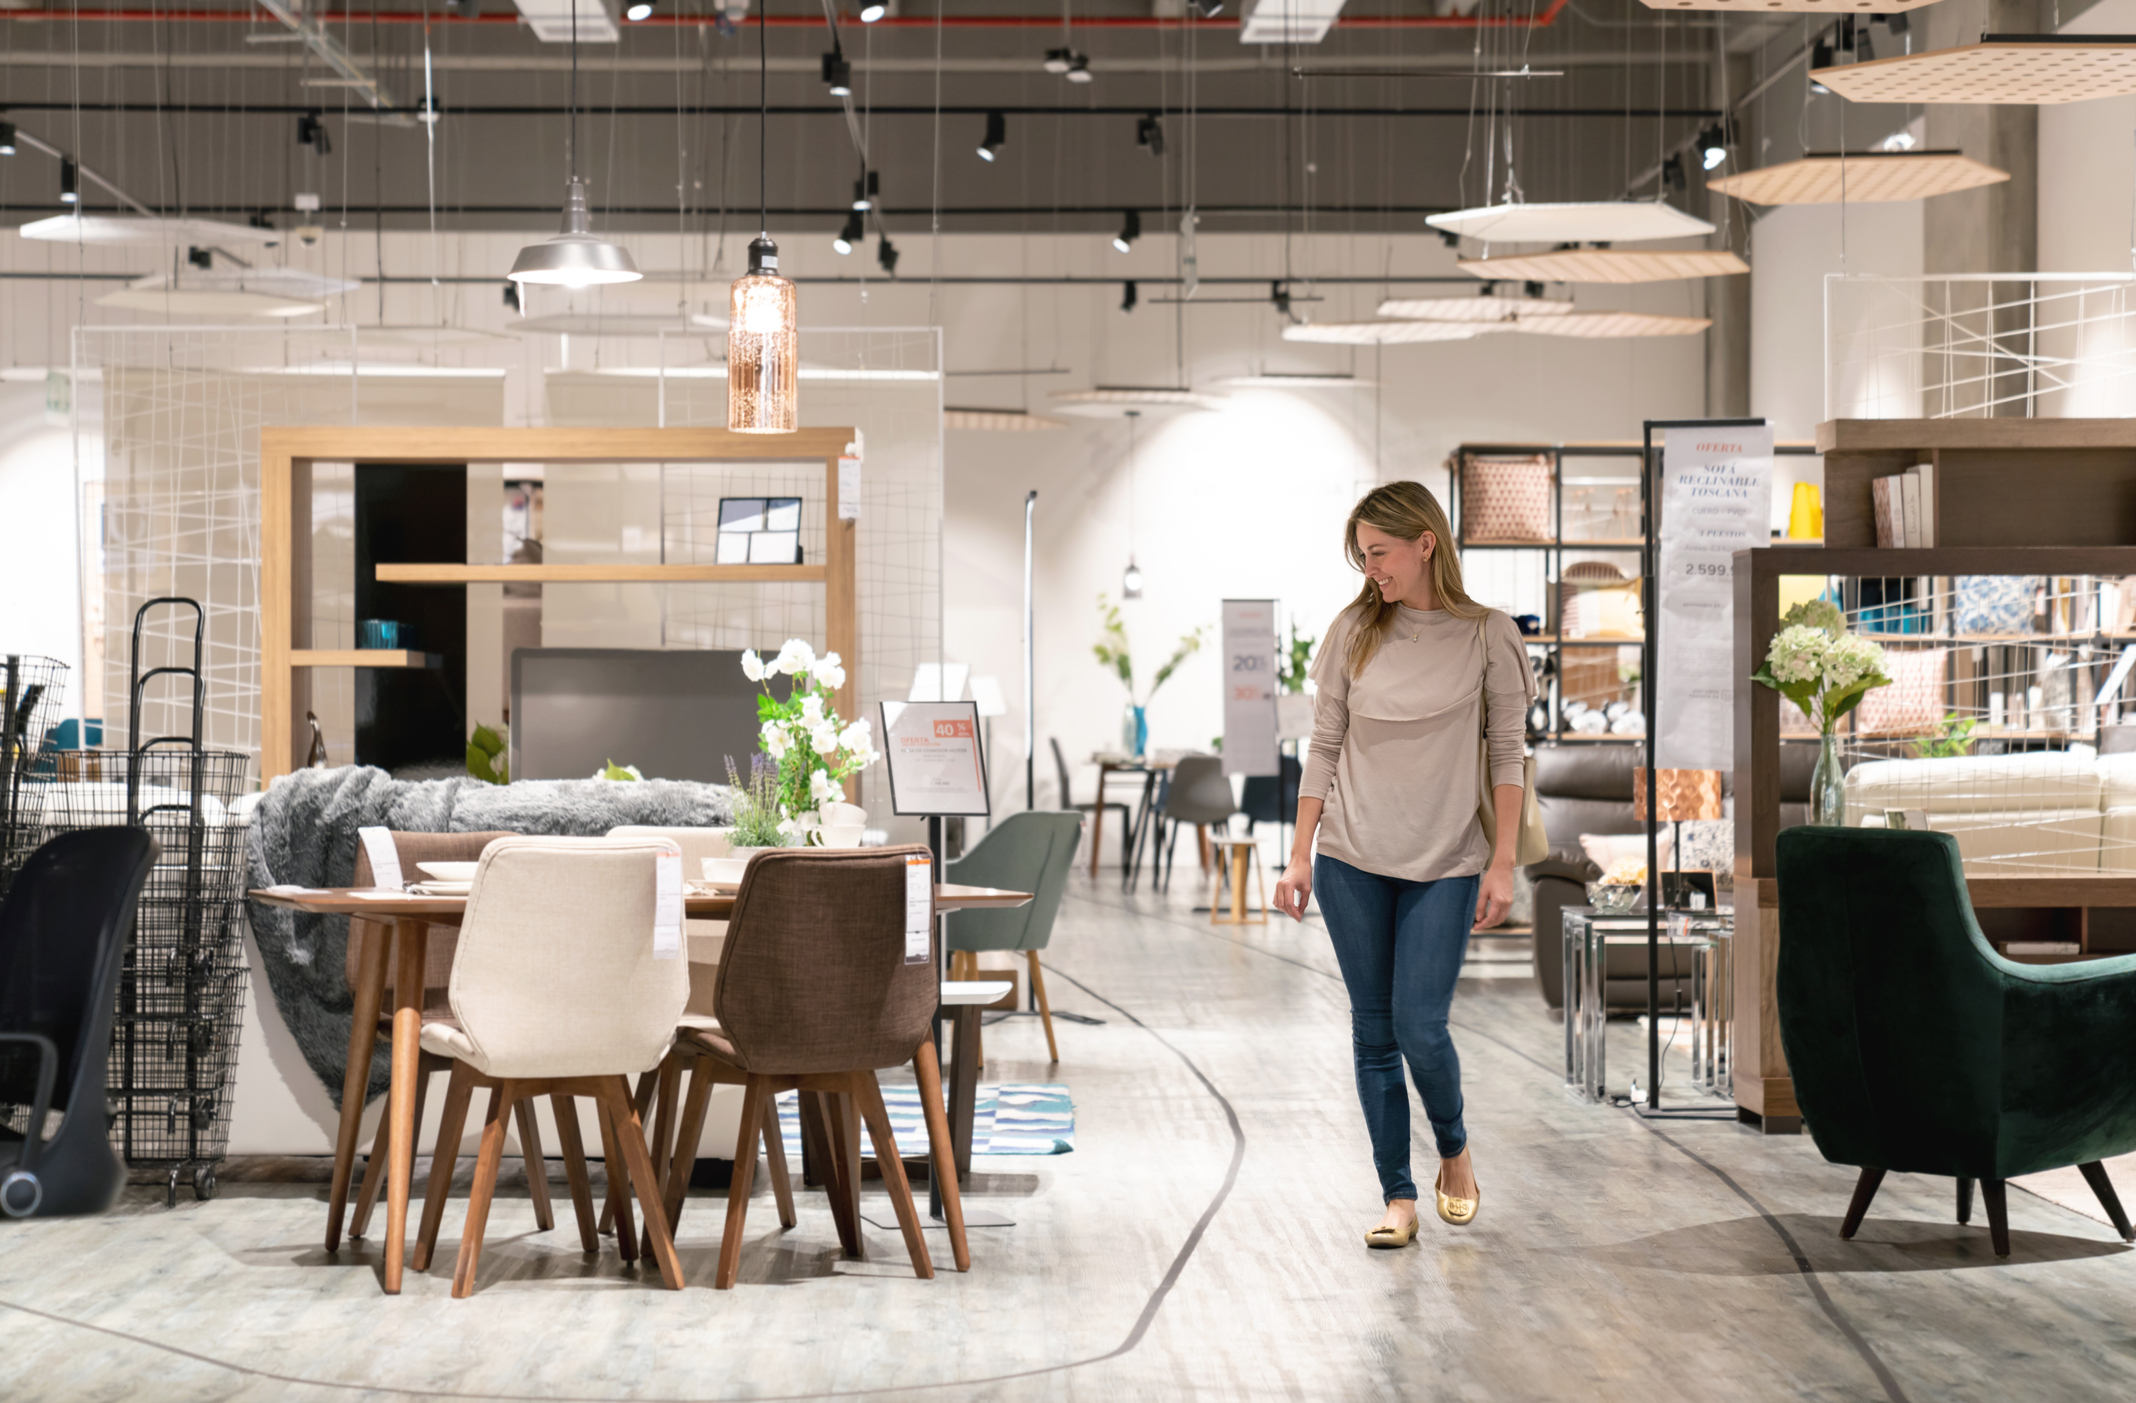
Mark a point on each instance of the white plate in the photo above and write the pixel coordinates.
(451, 871)
(444, 888)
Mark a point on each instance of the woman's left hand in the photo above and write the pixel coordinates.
(1494, 895)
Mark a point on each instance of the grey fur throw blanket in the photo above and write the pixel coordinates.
(303, 831)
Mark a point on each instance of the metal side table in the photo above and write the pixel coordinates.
(1703, 937)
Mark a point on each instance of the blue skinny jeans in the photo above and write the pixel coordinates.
(1400, 944)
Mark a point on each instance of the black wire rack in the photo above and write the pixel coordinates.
(31, 691)
(182, 988)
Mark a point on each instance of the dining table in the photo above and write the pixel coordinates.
(410, 914)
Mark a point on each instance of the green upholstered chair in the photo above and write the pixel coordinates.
(1915, 1047)
(1024, 852)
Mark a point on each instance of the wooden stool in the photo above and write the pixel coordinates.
(1234, 858)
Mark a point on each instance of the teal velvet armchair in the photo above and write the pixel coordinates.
(1915, 1047)
(1024, 852)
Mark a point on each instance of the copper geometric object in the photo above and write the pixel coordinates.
(1686, 795)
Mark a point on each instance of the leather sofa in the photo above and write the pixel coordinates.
(1587, 788)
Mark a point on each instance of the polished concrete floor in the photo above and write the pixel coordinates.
(1203, 1241)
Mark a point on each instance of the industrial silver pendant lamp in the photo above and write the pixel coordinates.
(576, 257)
(763, 326)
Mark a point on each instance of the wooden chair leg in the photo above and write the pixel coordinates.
(666, 1098)
(782, 1180)
(618, 1183)
(1864, 1190)
(819, 1118)
(1991, 1194)
(485, 1186)
(869, 1094)
(572, 1146)
(536, 1163)
(941, 1151)
(641, 1099)
(730, 1238)
(1965, 1199)
(2095, 1175)
(691, 1130)
(442, 1162)
(630, 1134)
(1045, 1009)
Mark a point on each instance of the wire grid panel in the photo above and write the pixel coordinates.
(888, 385)
(2003, 720)
(2050, 345)
(182, 410)
(31, 690)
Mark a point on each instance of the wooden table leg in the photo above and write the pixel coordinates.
(413, 940)
(964, 1085)
(1097, 820)
(356, 1079)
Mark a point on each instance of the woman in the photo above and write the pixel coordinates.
(1409, 675)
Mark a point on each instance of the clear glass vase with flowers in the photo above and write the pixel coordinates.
(815, 751)
(1824, 670)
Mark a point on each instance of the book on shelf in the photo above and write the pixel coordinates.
(1925, 474)
(1910, 509)
(1884, 492)
(1905, 508)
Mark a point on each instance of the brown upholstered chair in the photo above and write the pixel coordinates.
(371, 938)
(816, 994)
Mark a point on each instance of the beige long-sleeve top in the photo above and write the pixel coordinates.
(1394, 753)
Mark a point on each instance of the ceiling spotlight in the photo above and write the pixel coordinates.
(1450, 239)
(1130, 230)
(837, 73)
(1149, 133)
(70, 181)
(1057, 61)
(1820, 57)
(851, 234)
(1672, 173)
(997, 134)
(312, 132)
(1713, 146)
(511, 296)
(463, 9)
(864, 191)
(638, 11)
(7, 138)
(873, 11)
(1078, 68)
(886, 255)
(1131, 577)
(203, 258)
(1279, 295)
(1128, 297)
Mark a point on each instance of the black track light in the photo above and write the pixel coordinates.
(1149, 134)
(1713, 146)
(1130, 230)
(511, 295)
(864, 192)
(70, 181)
(1279, 295)
(202, 258)
(1672, 173)
(639, 11)
(312, 132)
(1532, 289)
(853, 232)
(1450, 239)
(1057, 61)
(837, 73)
(7, 138)
(1128, 297)
(1820, 57)
(886, 255)
(997, 135)
(1078, 68)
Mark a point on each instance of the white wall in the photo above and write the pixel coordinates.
(37, 520)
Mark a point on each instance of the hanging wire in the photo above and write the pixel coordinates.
(763, 123)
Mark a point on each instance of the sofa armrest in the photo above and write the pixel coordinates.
(1581, 870)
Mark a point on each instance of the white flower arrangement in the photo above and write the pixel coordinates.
(1821, 668)
(804, 736)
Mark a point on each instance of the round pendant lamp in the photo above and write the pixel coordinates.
(576, 257)
(763, 326)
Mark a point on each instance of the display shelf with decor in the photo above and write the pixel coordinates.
(1558, 507)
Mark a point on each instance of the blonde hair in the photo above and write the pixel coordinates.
(1405, 510)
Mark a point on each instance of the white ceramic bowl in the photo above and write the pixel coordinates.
(450, 871)
(725, 871)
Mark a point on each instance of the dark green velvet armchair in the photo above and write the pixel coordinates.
(1915, 1047)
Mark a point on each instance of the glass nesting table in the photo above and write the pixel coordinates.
(1702, 938)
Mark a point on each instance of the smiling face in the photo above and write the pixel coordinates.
(1399, 568)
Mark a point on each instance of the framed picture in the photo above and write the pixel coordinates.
(759, 531)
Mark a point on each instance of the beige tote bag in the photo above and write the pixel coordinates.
(1532, 843)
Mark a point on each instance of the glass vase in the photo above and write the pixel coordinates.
(1134, 730)
(1828, 785)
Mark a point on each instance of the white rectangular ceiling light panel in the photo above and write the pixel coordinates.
(1289, 21)
(1579, 222)
(551, 20)
(2015, 68)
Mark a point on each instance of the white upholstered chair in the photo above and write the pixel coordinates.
(557, 989)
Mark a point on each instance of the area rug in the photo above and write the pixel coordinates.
(1010, 1118)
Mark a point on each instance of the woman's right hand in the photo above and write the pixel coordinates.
(1295, 888)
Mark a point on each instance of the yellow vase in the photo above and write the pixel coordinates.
(1805, 516)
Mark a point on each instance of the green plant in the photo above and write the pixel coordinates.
(611, 770)
(487, 758)
(1113, 653)
(756, 805)
(1953, 737)
(1296, 659)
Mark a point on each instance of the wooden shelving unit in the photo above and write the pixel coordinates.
(598, 574)
(363, 657)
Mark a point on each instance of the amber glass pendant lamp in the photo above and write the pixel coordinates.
(763, 332)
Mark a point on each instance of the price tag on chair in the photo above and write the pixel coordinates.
(667, 905)
(919, 909)
(385, 858)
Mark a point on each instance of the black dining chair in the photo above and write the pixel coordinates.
(63, 933)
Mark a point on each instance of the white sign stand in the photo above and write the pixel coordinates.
(1716, 499)
(1250, 741)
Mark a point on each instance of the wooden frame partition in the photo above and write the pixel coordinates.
(285, 602)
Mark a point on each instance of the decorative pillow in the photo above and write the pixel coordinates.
(1709, 845)
(1993, 603)
(1605, 850)
(1505, 499)
(1913, 703)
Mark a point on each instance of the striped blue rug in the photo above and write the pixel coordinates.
(1011, 1118)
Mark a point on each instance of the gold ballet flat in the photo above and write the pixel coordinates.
(1456, 1212)
(1384, 1238)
